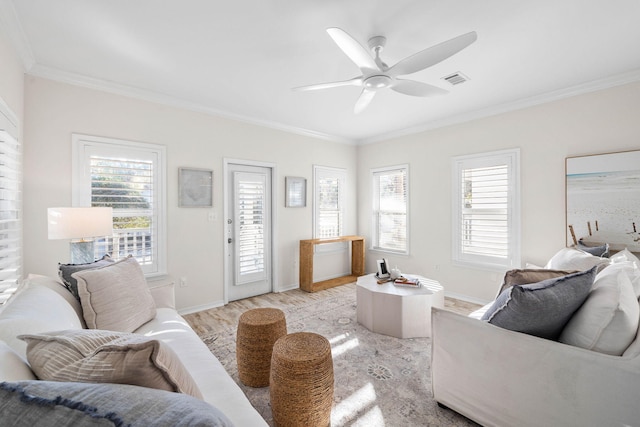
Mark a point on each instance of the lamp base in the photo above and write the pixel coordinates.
(82, 252)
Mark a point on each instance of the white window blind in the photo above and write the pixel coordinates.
(390, 201)
(486, 209)
(10, 205)
(329, 202)
(129, 177)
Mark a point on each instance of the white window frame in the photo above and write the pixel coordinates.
(84, 145)
(510, 158)
(341, 176)
(12, 163)
(375, 226)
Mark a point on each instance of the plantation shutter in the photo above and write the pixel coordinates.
(10, 206)
(486, 209)
(125, 185)
(329, 202)
(485, 223)
(250, 204)
(129, 177)
(390, 209)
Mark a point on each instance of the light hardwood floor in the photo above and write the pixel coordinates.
(207, 321)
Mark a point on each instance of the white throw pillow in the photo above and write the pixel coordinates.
(632, 267)
(607, 322)
(115, 297)
(573, 259)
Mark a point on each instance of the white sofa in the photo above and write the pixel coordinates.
(500, 377)
(42, 304)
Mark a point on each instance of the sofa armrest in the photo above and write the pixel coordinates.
(163, 295)
(504, 378)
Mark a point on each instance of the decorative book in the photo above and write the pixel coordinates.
(410, 283)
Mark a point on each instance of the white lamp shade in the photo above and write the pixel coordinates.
(79, 223)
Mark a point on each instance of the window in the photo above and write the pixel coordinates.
(486, 209)
(129, 177)
(329, 202)
(10, 203)
(390, 201)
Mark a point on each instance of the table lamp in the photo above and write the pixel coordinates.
(80, 225)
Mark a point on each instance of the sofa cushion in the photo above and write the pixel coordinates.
(65, 272)
(607, 322)
(47, 403)
(632, 267)
(115, 297)
(573, 259)
(90, 355)
(541, 309)
(34, 309)
(530, 275)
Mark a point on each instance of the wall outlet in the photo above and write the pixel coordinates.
(183, 282)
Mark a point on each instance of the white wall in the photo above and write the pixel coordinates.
(599, 122)
(11, 77)
(55, 110)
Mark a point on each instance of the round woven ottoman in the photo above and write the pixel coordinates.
(258, 330)
(301, 386)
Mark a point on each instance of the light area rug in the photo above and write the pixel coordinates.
(379, 380)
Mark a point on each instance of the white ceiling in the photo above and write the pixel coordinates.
(240, 59)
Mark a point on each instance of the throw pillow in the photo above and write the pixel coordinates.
(530, 275)
(86, 355)
(631, 266)
(12, 366)
(115, 297)
(599, 251)
(607, 322)
(541, 309)
(573, 259)
(65, 272)
(48, 403)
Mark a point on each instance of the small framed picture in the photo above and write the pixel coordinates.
(195, 187)
(295, 192)
(383, 269)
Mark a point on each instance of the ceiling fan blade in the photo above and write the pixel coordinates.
(432, 55)
(365, 99)
(356, 81)
(354, 50)
(414, 88)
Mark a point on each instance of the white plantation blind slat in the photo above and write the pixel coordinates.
(390, 198)
(10, 205)
(486, 209)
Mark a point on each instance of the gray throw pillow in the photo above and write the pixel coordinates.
(66, 270)
(601, 250)
(52, 403)
(541, 309)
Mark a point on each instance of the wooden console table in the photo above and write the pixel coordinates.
(306, 263)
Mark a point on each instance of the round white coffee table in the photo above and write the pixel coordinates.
(397, 311)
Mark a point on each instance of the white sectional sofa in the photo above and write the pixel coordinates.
(42, 304)
(501, 377)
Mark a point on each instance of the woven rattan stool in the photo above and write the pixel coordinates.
(301, 385)
(258, 330)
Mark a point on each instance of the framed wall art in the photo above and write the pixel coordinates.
(195, 188)
(603, 200)
(295, 192)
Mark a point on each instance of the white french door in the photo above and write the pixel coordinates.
(248, 231)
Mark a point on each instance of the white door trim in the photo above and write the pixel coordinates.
(274, 235)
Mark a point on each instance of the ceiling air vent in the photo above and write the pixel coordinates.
(456, 78)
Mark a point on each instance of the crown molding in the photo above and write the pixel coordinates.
(557, 95)
(159, 98)
(10, 24)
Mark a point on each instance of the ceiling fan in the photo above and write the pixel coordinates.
(377, 75)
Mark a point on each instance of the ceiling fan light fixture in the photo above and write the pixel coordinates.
(377, 82)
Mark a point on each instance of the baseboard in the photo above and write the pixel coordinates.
(289, 288)
(196, 308)
(466, 298)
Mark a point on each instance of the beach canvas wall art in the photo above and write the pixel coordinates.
(603, 200)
